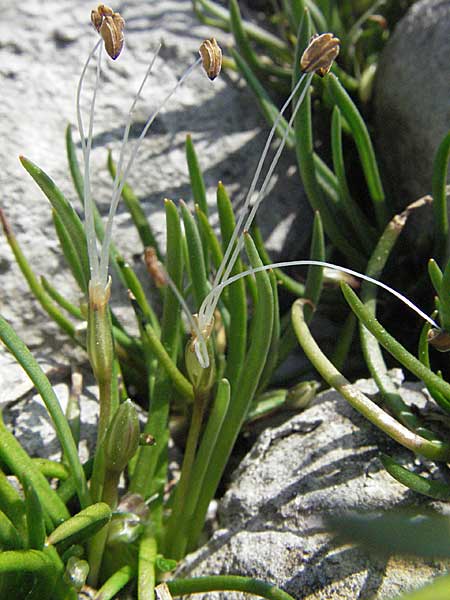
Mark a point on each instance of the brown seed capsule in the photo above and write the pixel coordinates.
(154, 267)
(110, 26)
(320, 54)
(211, 57)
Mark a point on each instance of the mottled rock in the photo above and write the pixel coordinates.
(322, 461)
(412, 100)
(42, 51)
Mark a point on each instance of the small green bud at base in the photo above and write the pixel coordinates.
(202, 379)
(122, 438)
(301, 395)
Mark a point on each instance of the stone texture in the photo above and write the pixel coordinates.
(412, 99)
(42, 51)
(324, 460)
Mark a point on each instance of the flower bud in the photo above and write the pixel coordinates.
(122, 437)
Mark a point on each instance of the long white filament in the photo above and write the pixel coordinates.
(86, 146)
(122, 178)
(292, 263)
(210, 302)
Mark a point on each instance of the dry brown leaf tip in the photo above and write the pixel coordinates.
(211, 55)
(154, 267)
(109, 25)
(320, 54)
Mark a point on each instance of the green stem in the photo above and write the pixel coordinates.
(146, 565)
(98, 542)
(115, 583)
(178, 509)
(37, 376)
(218, 583)
(434, 450)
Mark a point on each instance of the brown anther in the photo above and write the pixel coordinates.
(439, 339)
(320, 54)
(211, 57)
(154, 267)
(109, 25)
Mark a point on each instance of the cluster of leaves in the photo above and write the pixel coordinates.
(250, 339)
(260, 56)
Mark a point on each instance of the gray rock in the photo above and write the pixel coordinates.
(42, 51)
(324, 460)
(412, 99)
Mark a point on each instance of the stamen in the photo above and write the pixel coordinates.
(318, 263)
(86, 146)
(123, 178)
(210, 302)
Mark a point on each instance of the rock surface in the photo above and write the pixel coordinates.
(412, 99)
(324, 460)
(42, 51)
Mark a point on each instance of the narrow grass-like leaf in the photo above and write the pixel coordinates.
(35, 518)
(272, 355)
(371, 411)
(200, 285)
(70, 252)
(409, 361)
(417, 483)
(242, 394)
(33, 282)
(364, 146)
(246, 50)
(15, 457)
(444, 299)
(134, 207)
(156, 456)
(435, 274)
(10, 538)
(237, 300)
(180, 382)
(370, 346)
(344, 342)
(207, 233)
(65, 211)
(147, 553)
(305, 155)
(135, 287)
(12, 504)
(366, 233)
(439, 193)
(73, 310)
(314, 279)
(195, 176)
(74, 165)
(217, 583)
(82, 526)
(202, 461)
(115, 583)
(268, 108)
(42, 384)
(258, 34)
